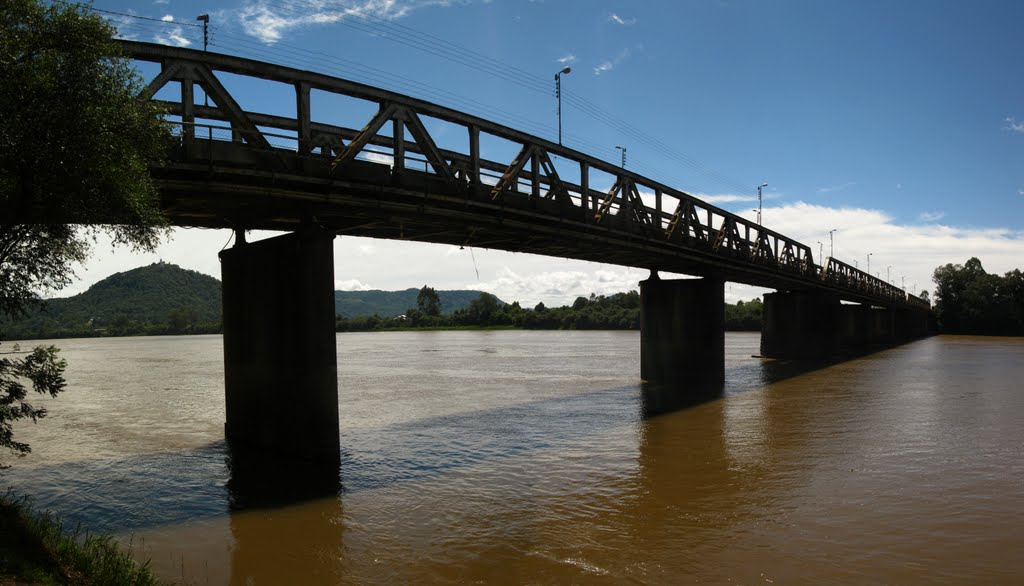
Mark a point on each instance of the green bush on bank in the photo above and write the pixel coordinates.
(35, 548)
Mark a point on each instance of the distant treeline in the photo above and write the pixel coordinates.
(970, 301)
(163, 299)
(620, 311)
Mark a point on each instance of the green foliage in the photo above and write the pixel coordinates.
(353, 304)
(37, 549)
(970, 301)
(744, 316)
(161, 298)
(427, 302)
(620, 311)
(40, 368)
(76, 144)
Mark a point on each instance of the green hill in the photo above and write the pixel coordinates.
(161, 298)
(391, 303)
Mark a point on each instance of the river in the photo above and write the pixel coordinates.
(538, 457)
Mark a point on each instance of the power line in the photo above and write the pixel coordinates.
(410, 37)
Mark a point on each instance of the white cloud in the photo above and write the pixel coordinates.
(931, 216)
(622, 21)
(269, 21)
(167, 18)
(912, 250)
(174, 36)
(608, 65)
(835, 188)
(1012, 124)
(570, 58)
(351, 285)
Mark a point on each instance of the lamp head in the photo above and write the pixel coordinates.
(203, 17)
(566, 70)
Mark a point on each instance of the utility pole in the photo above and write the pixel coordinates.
(206, 94)
(206, 22)
(821, 252)
(869, 263)
(623, 149)
(831, 243)
(759, 202)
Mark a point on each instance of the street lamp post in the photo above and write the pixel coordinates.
(821, 251)
(869, 262)
(623, 149)
(759, 202)
(888, 278)
(558, 94)
(831, 243)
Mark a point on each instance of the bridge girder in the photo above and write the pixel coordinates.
(243, 175)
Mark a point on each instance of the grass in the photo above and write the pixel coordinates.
(36, 549)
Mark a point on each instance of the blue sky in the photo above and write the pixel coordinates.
(900, 124)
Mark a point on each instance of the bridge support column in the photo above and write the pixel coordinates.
(856, 327)
(883, 326)
(800, 325)
(682, 331)
(280, 358)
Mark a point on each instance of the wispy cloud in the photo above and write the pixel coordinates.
(351, 285)
(835, 188)
(269, 21)
(1013, 125)
(733, 197)
(931, 216)
(610, 64)
(173, 35)
(570, 58)
(621, 21)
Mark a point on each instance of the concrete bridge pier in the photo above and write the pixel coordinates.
(883, 326)
(280, 358)
(682, 331)
(855, 325)
(801, 325)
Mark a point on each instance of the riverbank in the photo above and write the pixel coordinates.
(35, 549)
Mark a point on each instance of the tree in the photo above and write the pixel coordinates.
(482, 309)
(45, 372)
(427, 302)
(76, 145)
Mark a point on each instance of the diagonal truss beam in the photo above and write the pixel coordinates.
(223, 99)
(365, 135)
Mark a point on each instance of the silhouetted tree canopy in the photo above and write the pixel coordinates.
(427, 302)
(969, 300)
(76, 144)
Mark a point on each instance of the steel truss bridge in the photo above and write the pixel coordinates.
(390, 179)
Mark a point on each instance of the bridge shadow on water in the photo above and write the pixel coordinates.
(148, 490)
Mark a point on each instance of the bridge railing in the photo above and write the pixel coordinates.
(632, 203)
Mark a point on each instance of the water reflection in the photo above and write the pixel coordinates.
(266, 481)
(306, 545)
